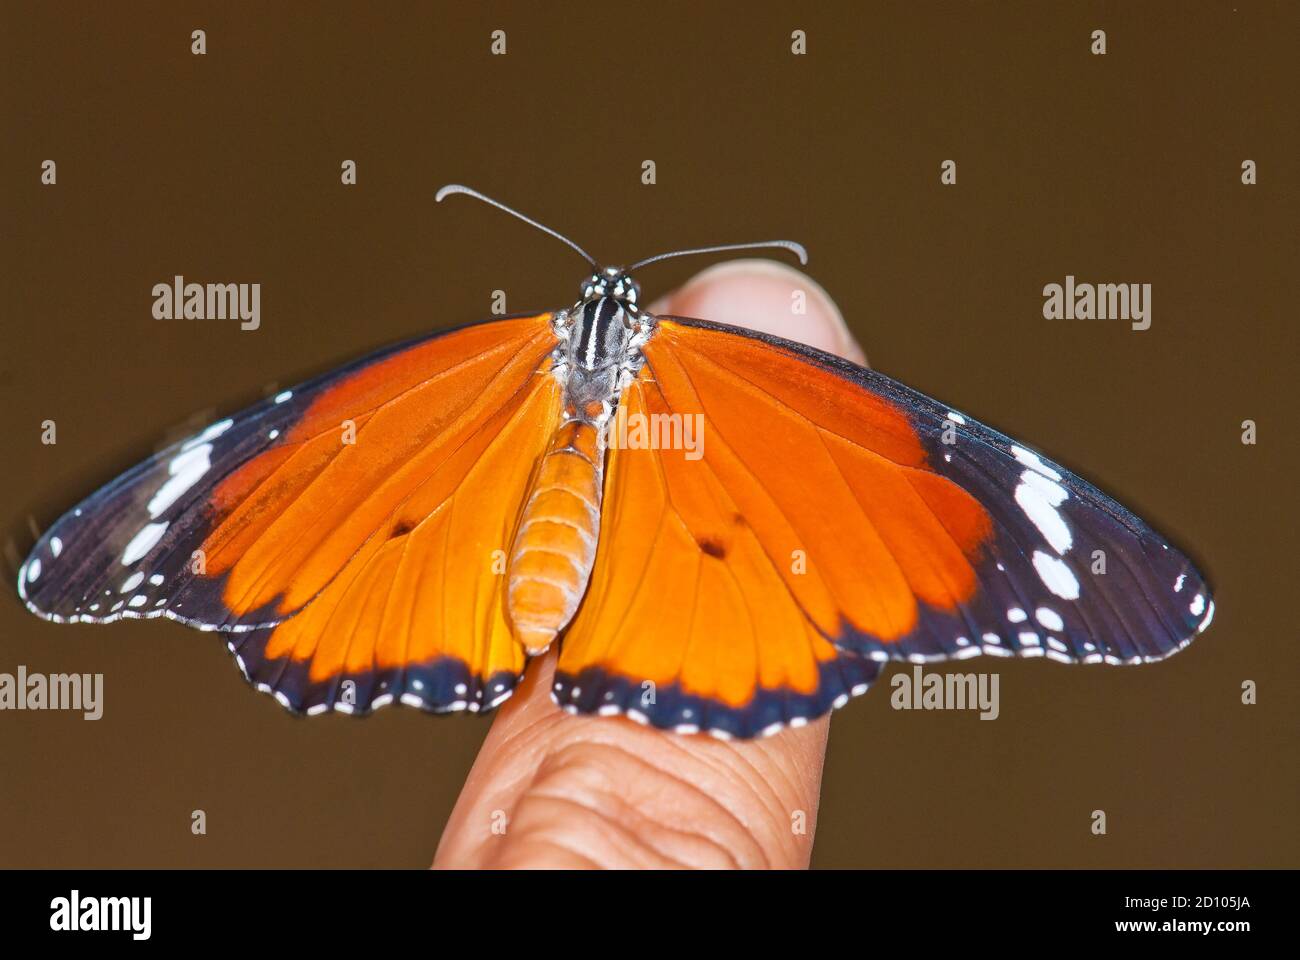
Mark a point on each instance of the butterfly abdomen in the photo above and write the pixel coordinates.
(555, 545)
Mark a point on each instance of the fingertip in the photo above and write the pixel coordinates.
(769, 297)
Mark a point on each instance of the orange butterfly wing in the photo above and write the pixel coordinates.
(704, 612)
(418, 612)
(821, 527)
(370, 456)
(351, 532)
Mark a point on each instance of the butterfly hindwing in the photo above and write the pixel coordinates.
(316, 528)
(859, 522)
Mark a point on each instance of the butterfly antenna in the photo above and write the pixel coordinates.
(454, 188)
(796, 248)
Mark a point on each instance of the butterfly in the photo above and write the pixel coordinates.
(724, 531)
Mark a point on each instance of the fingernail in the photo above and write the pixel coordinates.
(770, 297)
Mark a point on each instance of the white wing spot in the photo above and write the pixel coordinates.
(56, 546)
(1198, 605)
(1039, 497)
(1031, 460)
(1016, 615)
(186, 469)
(143, 542)
(283, 395)
(214, 431)
(1049, 618)
(1056, 576)
(131, 582)
(1209, 615)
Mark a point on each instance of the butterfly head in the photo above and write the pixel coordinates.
(612, 282)
(602, 335)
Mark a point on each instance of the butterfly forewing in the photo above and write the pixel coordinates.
(249, 522)
(829, 495)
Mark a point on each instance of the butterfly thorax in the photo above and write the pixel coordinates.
(597, 357)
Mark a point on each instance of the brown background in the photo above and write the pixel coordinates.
(1123, 168)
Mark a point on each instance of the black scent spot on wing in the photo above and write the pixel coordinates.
(400, 529)
(738, 519)
(712, 547)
